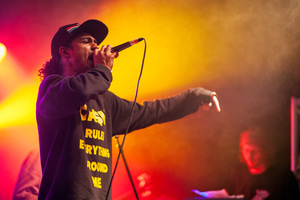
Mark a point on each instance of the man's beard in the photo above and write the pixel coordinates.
(90, 60)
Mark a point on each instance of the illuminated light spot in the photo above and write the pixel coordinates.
(19, 108)
(146, 193)
(2, 51)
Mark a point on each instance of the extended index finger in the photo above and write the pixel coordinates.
(216, 102)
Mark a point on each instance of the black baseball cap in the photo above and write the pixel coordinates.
(66, 33)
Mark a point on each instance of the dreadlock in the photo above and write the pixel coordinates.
(50, 67)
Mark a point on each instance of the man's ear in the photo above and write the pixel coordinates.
(63, 51)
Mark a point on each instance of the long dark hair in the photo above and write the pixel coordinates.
(50, 67)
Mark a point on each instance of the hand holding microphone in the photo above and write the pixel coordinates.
(107, 54)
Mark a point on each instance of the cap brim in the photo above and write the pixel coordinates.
(94, 27)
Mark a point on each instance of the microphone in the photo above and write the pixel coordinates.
(125, 45)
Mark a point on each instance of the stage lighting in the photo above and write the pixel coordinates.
(2, 51)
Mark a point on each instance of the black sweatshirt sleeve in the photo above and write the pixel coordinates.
(152, 112)
(60, 96)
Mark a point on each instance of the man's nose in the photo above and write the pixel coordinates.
(251, 154)
(94, 46)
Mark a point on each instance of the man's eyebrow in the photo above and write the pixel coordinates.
(89, 38)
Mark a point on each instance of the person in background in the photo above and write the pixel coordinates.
(259, 177)
(29, 178)
(77, 115)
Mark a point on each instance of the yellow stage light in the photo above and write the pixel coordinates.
(19, 108)
(2, 51)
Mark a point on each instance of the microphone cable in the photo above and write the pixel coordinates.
(128, 125)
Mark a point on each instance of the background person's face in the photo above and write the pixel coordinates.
(253, 155)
